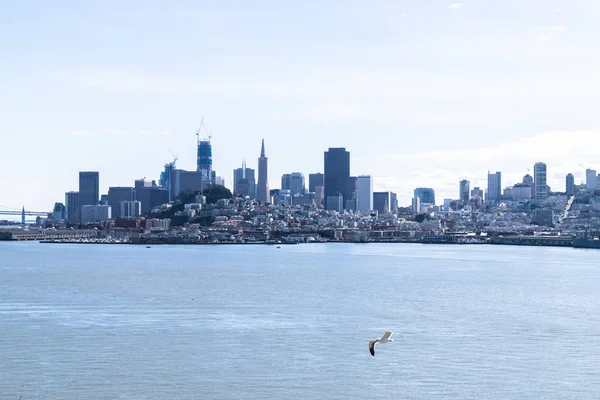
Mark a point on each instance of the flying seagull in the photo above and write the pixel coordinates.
(384, 339)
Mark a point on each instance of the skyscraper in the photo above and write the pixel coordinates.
(365, 193)
(314, 180)
(464, 191)
(570, 184)
(89, 188)
(494, 188)
(262, 190)
(116, 195)
(337, 175)
(204, 160)
(425, 195)
(244, 181)
(72, 207)
(591, 179)
(540, 188)
(293, 182)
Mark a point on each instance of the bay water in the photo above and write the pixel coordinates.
(260, 322)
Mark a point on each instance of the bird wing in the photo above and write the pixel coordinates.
(372, 347)
(387, 335)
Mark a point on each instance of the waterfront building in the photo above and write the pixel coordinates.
(365, 193)
(494, 191)
(262, 192)
(129, 209)
(591, 180)
(570, 184)
(315, 180)
(94, 213)
(464, 191)
(337, 174)
(425, 195)
(540, 186)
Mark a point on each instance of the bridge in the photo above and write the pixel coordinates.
(4, 210)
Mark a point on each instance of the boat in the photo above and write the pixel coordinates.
(148, 247)
(586, 243)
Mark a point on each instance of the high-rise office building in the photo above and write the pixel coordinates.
(570, 184)
(591, 179)
(262, 190)
(425, 195)
(116, 195)
(204, 162)
(293, 182)
(337, 175)
(365, 193)
(393, 203)
(540, 186)
(72, 207)
(314, 180)
(151, 195)
(89, 188)
(477, 192)
(494, 192)
(381, 202)
(129, 209)
(244, 181)
(464, 191)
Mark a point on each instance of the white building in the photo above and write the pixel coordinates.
(521, 191)
(416, 205)
(130, 209)
(91, 214)
(591, 179)
(365, 193)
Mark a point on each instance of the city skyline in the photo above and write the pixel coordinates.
(483, 183)
(421, 94)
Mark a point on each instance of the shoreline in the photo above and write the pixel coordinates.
(150, 244)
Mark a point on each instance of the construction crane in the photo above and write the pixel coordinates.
(199, 130)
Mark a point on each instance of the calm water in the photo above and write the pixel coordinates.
(241, 322)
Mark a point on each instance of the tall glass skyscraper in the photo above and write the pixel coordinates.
(204, 160)
(337, 175)
(494, 188)
(425, 195)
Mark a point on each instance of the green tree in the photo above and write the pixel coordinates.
(215, 193)
(420, 218)
(186, 197)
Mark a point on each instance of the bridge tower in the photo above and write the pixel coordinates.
(23, 216)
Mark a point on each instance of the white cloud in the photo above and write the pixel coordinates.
(562, 151)
(457, 5)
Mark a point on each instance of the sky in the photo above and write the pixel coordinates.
(422, 93)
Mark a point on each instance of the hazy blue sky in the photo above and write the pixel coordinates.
(422, 93)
